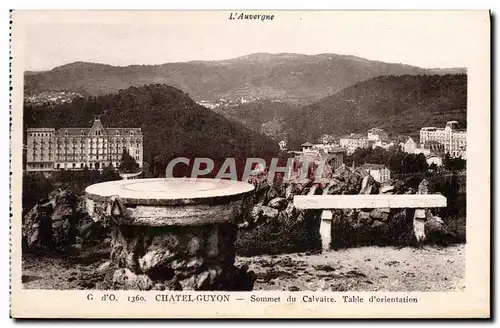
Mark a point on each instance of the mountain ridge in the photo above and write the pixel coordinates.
(281, 76)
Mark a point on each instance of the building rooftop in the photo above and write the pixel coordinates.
(306, 144)
(108, 131)
(40, 129)
(373, 166)
(353, 136)
(97, 126)
(403, 139)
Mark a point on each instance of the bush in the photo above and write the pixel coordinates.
(35, 187)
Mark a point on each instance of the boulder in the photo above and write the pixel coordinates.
(437, 232)
(269, 213)
(60, 221)
(378, 214)
(275, 191)
(255, 213)
(376, 224)
(278, 203)
(423, 187)
(387, 189)
(368, 186)
(290, 210)
(364, 218)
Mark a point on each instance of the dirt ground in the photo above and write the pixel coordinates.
(354, 269)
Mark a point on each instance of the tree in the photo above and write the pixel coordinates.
(447, 162)
(454, 164)
(109, 174)
(396, 162)
(422, 163)
(128, 163)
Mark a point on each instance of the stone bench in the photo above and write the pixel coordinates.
(415, 206)
(327, 202)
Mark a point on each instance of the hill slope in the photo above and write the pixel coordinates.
(257, 113)
(172, 123)
(271, 76)
(399, 104)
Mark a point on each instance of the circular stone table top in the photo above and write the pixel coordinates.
(170, 191)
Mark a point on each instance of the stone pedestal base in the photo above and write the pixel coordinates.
(178, 258)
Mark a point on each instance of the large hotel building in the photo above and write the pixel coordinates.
(453, 138)
(49, 149)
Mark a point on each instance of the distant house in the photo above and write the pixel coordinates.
(335, 157)
(306, 146)
(408, 145)
(379, 172)
(377, 134)
(451, 136)
(355, 140)
(311, 160)
(327, 139)
(383, 144)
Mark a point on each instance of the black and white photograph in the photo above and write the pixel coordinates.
(246, 151)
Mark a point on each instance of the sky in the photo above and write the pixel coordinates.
(425, 39)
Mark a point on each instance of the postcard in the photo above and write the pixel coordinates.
(250, 164)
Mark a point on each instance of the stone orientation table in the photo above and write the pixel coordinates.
(173, 233)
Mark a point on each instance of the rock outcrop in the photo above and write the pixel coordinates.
(59, 221)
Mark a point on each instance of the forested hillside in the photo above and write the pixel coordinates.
(399, 104)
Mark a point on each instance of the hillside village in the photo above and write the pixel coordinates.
(435, 144)
(52, 97)
(223, 102)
